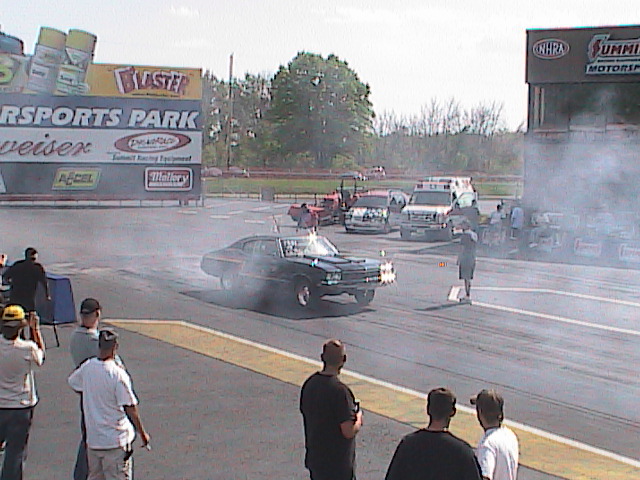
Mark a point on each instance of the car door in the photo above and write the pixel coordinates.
(268, 262)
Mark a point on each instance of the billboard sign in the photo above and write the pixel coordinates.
(70, 126)
(581, 55)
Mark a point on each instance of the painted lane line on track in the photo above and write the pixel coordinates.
(557, 318)
(219, 217)
(235, 212)
(540, 450)
(260, 209)
(584, 296)
(260, 222)
(454, 294)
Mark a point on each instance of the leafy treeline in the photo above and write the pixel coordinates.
(315, 113)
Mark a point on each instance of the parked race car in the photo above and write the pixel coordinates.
(303, 268)
(376, 211)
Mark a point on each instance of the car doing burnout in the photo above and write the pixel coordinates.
(303, 268)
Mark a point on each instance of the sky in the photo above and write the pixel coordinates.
(408, 51)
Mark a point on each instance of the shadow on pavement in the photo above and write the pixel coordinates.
(278, 307)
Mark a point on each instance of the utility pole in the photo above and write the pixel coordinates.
(230, 118)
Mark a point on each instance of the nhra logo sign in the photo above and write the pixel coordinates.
(550, 48)
(168, 179)
(613, 57)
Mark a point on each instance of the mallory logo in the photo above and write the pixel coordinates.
(168, 179)
(132, 80)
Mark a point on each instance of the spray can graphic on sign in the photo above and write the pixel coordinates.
(45, 62)
(78, 55)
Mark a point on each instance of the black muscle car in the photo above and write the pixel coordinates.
(303, 268)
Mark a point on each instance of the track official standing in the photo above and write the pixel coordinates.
(467, 258)
(108, 402)
(498, 449)
(332, 419)
(434, 453)
(18, 395)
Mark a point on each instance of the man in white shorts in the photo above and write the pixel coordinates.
(109, 407)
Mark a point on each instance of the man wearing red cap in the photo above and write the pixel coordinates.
(497, 451)
(332, 419)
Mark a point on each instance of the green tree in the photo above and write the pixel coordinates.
(319, 106)
(233, 127)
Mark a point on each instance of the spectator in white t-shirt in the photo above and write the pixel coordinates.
(498, 450)
(109, 405)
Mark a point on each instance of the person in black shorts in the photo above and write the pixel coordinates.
(434, 453)
(467, 257)
(23, 277)
(332, 418)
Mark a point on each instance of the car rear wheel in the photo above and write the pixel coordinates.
(303, 294)
(365, 297)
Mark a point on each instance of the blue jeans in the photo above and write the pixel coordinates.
(15, 424)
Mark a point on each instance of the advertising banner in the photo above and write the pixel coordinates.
(601, 54)
(64, 145)
(130, 81)
(72, 128)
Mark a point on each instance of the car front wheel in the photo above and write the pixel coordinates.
(365, 297)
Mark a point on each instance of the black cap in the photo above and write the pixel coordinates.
(89, 305)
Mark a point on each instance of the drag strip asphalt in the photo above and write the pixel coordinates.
(540, 451)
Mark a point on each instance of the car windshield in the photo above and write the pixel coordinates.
(430, 198)
(371, 201)
(466, 199)
(310, 245)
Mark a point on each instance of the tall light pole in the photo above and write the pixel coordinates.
(230, 118)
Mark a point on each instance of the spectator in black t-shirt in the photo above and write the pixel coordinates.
(24, 277)
(332, 419)
(433, 453)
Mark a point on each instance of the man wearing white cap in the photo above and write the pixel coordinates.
(498, 450)
(18, 395)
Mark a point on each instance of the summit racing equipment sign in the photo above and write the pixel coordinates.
(174, 179)
(613, 57)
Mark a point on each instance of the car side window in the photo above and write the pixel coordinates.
(266, 247)
(250, 247)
